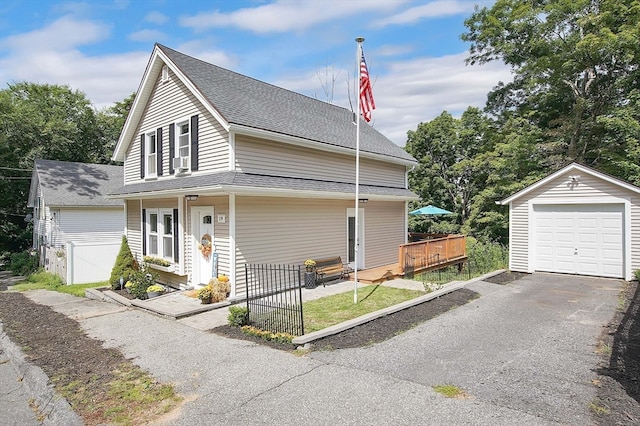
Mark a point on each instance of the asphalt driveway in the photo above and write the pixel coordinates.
(524, 353)
(529, 346)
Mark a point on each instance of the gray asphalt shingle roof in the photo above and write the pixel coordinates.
(249, 102)
(73, 184)
(246, 180)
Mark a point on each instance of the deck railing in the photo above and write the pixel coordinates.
(426, 254)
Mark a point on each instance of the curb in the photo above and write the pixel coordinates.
(335, 329)
(106, 296)
(50, 405)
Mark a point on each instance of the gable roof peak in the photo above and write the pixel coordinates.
(241, 102)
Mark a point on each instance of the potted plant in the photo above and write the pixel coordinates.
(128, 286)
(309, 264)
(154, 290)
(205, 294)
(309, 275)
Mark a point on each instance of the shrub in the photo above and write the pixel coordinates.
(238, 316)
(142, 279)
(23, 263)
(125, 266)
(284, 338)
(47, 279)
(637, 274)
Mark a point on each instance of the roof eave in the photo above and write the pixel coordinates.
(572, 166)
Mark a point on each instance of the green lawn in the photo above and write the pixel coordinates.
(47, 281)
(331, 310)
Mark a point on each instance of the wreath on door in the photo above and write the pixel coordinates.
(205, 246)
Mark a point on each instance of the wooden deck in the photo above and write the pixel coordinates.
(419, 257)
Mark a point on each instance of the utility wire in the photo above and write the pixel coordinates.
(13, 168)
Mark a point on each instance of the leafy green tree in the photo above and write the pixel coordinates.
(110, 123)
(51, 122)
(576, 76)
(449, 174)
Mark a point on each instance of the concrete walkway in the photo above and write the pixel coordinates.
(523, 353)
(189, 310)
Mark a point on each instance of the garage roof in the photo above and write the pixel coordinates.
(573, 167)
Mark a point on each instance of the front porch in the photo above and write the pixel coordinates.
(419, 256)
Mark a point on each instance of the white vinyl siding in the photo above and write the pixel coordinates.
(134, 230)
(90, 225)
(272, 158)
(288, 231)
(519, 236)
(169, 102)
(384, 232)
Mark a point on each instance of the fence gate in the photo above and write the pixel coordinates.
(274, 298)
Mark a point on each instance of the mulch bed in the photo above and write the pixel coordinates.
(374, 331)
(619, 381)
(58, 345)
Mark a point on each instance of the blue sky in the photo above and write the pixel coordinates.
(413, 48)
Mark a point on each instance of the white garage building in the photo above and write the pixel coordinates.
(576, 221)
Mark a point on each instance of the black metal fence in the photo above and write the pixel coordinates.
(274, 298)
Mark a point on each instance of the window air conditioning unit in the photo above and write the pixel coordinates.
(181, 163)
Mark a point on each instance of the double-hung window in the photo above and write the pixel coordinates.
(151, 153)
(160, 233)
(183, 143)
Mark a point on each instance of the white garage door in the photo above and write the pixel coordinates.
(579, 239)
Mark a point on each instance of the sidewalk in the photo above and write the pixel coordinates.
(189, 311)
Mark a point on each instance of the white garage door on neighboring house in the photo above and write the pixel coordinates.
(579, 239)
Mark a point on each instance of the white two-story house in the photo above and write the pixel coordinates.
(262, 174)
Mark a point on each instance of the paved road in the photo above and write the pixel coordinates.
(523, 352)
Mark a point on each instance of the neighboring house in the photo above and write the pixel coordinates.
(576, 221)
(72, 216)
(266, 174)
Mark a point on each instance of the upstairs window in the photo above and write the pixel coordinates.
(184, 139)
(151, 154)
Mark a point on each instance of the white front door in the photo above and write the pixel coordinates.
(579, 239)
(351, 238)
(203, 244)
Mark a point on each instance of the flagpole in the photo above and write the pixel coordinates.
(359, 40)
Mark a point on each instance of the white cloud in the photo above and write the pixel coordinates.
(147, 35)
(419, 90)
(50, 55)
(156, 17)
(59, 35)
(413, 91)
(286, 15)
(430, 10)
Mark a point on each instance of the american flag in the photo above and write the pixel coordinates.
(367, 104)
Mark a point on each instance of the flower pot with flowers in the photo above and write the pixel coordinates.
(309, 264)
(310, 274)
(205, 294)
(155, 290)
